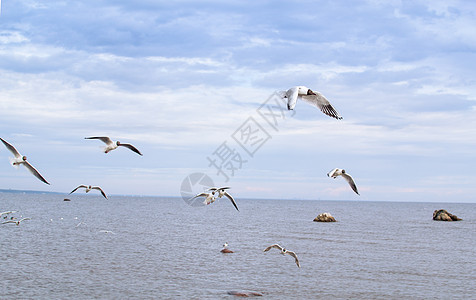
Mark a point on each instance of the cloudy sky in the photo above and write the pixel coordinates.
(184, 82)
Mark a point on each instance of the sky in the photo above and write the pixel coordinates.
(189, 84)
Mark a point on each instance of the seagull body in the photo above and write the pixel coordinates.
(21, 160)
(222, 192)
(16, 221)
(284, 252)
(110, 145)
(209, 197)
(89, 188)
(341, 172)
(311, 97)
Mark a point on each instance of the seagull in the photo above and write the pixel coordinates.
(336, 172)
(311, 97)
(16, 221)
(106, 231)
(110, 145)
(222, 192)
(283, 252)
(225, 249)
(21, 160)
(7, 212)
(209, 197)
(89, 188)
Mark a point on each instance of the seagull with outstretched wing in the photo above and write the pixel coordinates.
(89, 188)
(312, 97)
(284, 252)
(21, 160)
(110, 145)
(341, 172)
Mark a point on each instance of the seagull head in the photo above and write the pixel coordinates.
(118, 143)
(24, 158)
(310, 92)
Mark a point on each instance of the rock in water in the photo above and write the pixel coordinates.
(225, 250)
(443, 215)
(325, 217)
(244, 294)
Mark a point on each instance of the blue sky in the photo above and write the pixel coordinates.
(177, 79)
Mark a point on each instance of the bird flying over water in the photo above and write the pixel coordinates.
(89, 188)
(341, 172)
(209, 197)
(222, 192)
(110, 145)
(21, 160)
(314, 98)
(7, 213)
(16, 221)
(284, 252)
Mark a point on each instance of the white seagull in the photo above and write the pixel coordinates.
(110, 145)
(341, 172)
(284, 252)
(16, 221)
(209, 197)
(21, 160)
(89, 188)
(222, 192)
(6, 213)
(311, 97)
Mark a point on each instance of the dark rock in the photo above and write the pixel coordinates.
(443, 215)
(244, 294)
(225, 250)
(325, 217)
(66, 199)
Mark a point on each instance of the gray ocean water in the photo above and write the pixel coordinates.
(161, 248)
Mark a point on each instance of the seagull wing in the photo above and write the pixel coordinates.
(292, 95)
(131, 147)
(224, 188)
(232, 200)
(273, 246)
(99, 189)
(105, 139)
(11, 148)
(351, 182)
(24, 219)
(295, 257)
(34, 172)
(7, 212)
(200, 195)
(9, 221)
(213, 189)
(332, 173)
(81, 186)
(322, 103)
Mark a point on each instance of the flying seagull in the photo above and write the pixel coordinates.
(6, 213)
(89, 188)
(209, 197)
(110, 145)
(21, 160)
(222, 192)
(311, 97)
(336, 172)
(283, 252)
(16, 221)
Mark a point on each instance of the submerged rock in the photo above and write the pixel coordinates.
(226, 250)
(325, 217)
(244, 294)
(443, 215)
